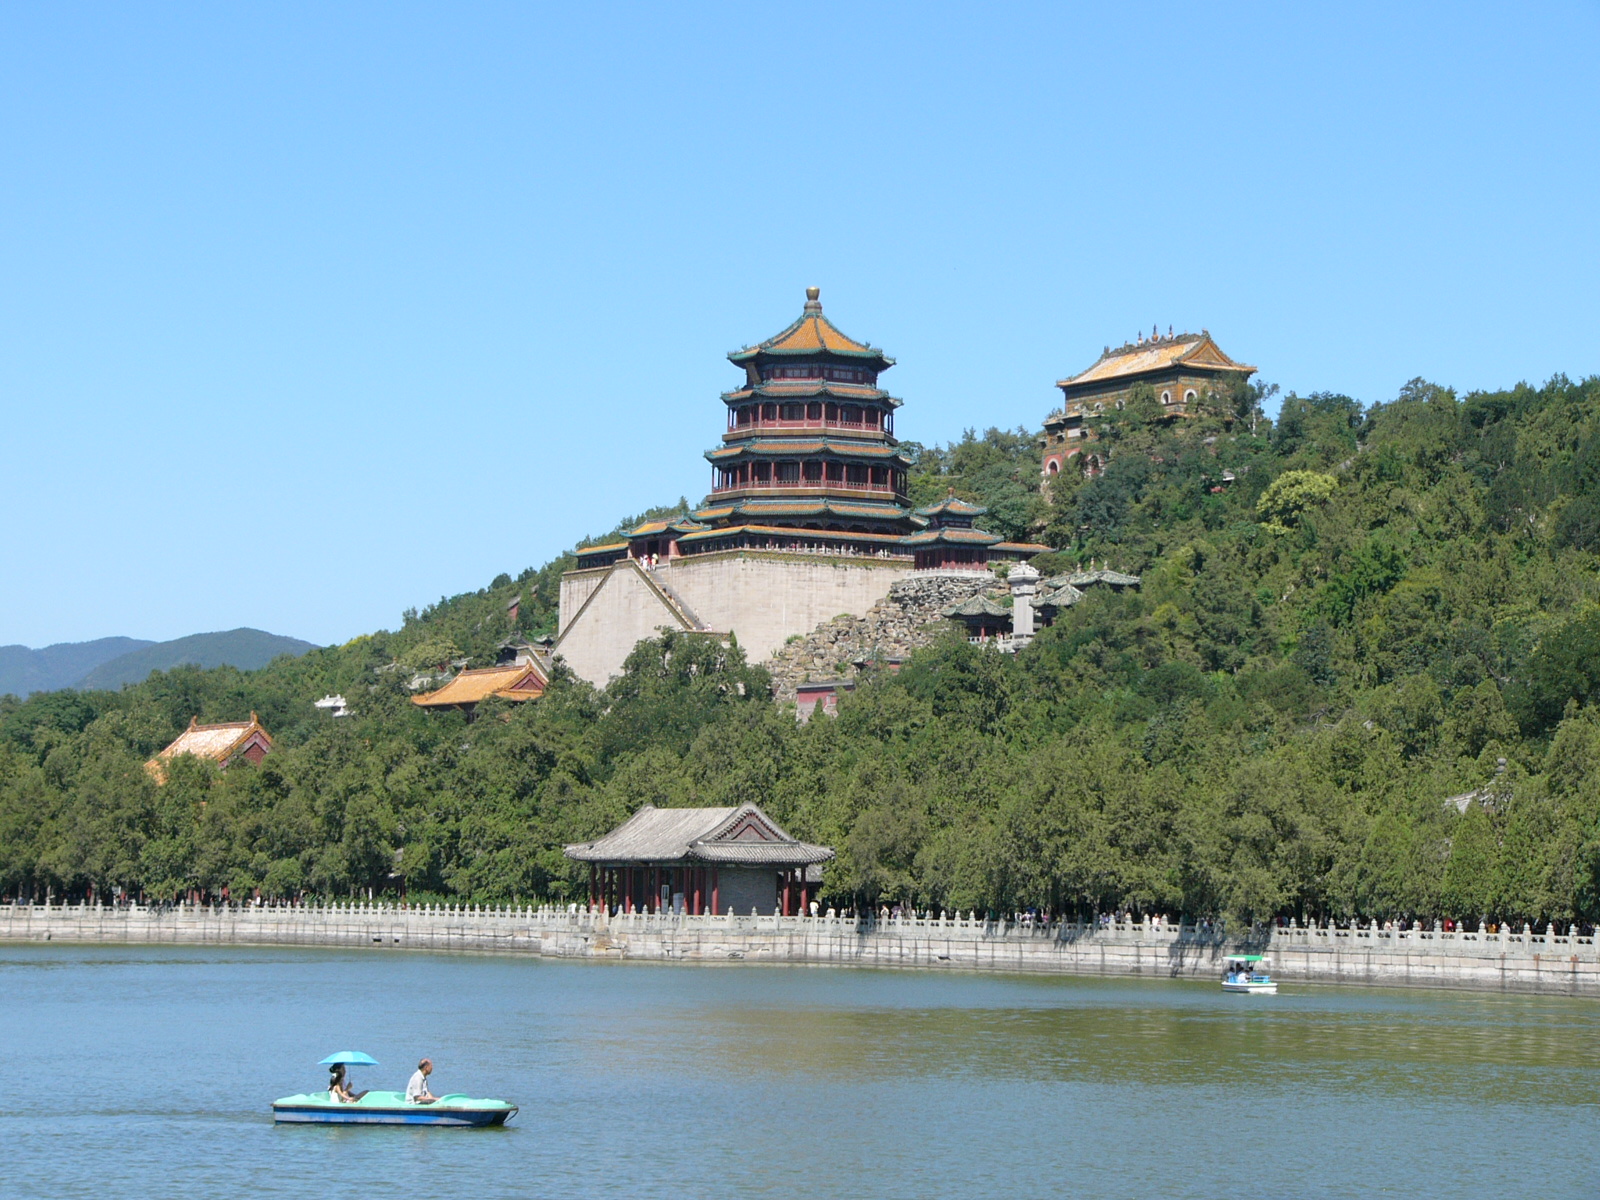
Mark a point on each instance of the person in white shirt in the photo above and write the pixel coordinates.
(417, 1089)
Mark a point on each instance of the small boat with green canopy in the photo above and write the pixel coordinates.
(385, 1108)
(1246, 976)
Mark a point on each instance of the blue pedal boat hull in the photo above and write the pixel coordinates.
(391, 1108)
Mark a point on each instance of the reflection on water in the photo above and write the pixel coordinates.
(646, 1080)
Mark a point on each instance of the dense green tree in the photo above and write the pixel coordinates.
(1346, 616)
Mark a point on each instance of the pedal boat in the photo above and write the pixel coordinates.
(1243, 977)
(391, 1108)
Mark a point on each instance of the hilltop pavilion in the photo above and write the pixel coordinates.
(223, 743)
(809, 463)
(1179, 367)
(808, 515)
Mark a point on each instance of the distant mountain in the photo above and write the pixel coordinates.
(23, 670)
(246, 649)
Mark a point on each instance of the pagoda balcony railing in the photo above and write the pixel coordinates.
(819, 423)
(808, 486)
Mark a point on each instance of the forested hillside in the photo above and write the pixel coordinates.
(243, 648)
(23, 671)
(1347, 617)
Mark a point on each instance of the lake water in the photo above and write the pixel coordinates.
(133, 1072)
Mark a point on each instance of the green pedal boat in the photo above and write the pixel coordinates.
(390, 1108)
(384, 1108)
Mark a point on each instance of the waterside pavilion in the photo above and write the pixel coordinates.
(701, 860)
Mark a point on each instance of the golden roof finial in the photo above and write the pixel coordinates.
(813, 293)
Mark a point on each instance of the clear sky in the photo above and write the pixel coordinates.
(312, 313)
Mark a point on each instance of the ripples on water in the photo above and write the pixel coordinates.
(137, 1072)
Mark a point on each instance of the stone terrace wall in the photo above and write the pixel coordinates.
(1504, 962)
(907, 619)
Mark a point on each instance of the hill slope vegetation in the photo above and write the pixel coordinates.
(246, 649)
(1348, 617)
(24, 671)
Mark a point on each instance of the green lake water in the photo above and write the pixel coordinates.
(135, 1072)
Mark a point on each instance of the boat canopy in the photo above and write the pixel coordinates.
(1244, 958)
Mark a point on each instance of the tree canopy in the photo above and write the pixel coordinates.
(1347, 617)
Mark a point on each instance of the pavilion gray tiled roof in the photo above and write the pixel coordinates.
(743, 835)
(977, 606)
(1062, 597)
(1087, 578)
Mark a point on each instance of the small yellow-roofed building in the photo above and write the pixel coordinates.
(513, 681)
(221, 743)
(1179, 368)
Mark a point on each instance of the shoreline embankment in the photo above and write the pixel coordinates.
(1503, 962)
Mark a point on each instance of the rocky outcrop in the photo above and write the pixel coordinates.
(905, 620)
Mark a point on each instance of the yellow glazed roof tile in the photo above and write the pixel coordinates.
(517, 682)
(1186, 350)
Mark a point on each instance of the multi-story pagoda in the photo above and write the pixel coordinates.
(807, 516)
(810, 445)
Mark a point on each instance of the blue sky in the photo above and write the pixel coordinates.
(313, 313)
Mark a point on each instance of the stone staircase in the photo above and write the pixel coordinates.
(657, 580)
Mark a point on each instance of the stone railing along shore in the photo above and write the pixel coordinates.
(1503, 961)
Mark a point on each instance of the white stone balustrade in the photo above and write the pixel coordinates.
(1365, 954)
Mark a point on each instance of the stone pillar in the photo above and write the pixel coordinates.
(1024, 581)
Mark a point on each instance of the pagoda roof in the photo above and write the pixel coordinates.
(952, 505)
(1022, 548)
(762, 506)
(780, 446)
(516, 681)
(607, 548)
(802, 507)
(1196, 351)
(743, 835)
(788, 389)
(885, 539)
(956, 537)
(811, 335)
(651, 528)
(977, 606)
